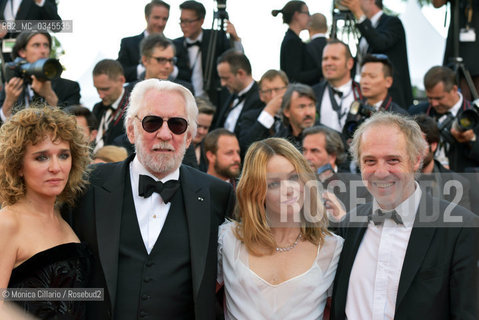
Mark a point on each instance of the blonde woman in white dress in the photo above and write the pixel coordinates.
(279, 260)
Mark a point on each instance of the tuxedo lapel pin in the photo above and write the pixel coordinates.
(200, 199)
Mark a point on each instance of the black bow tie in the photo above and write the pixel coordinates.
(191, 44)
(379, 216)
(148, 185)
(337, 92)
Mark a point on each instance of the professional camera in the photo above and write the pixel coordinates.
(43, 69)
(358, 112)
(221, 13)
(466, 120)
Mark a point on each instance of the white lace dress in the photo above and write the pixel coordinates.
(248, 296)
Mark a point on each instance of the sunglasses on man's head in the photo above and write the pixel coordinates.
(152, 123)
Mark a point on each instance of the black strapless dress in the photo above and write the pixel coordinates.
(64, 266)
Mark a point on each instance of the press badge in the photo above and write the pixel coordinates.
(7, 45)
(467, 35)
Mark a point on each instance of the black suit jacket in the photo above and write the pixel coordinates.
(116, 127)
(315, 48)
(389, 38)
(129, 56)
(251, 102)
(439, 276)
(67, 91)
(97, 221)
(28, 10)
(183, 62)
(296, 60)
(461, 155)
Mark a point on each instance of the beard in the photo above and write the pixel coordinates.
(160, 163)
(227, 171)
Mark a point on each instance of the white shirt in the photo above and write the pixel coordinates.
(233, 115)
(194, 55)
(374, 279)
(440, 154)
(151, 212)
(105, 121)
(363, 43)
(328, 116)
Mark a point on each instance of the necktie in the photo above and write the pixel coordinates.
(148, 185)
(379, 216)
(191, 44)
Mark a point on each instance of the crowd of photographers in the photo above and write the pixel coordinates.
(320, 83)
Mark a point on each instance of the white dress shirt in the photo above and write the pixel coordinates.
(151, 212)
(105, 121)
(374, 279)
(233, 115)
(329, 116)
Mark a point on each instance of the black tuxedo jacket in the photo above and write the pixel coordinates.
(183, 62)
(296, 60)
(461, 155)
(251, 102)
(439, 276)
(28, 10)
(129, 56)
(116, 127)
(252, 130)
(315, 48)
(389, 38)
(97, 221)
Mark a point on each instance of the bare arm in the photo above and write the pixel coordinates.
(8, 231)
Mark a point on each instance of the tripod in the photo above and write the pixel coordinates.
(217, 27)
(457, 62)
(347, 32)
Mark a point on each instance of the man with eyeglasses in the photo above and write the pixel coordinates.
(382, 33)
(108, 79)
(157, 13)
(263, 123)
(192, 50)
(150, 222)
(158, 58)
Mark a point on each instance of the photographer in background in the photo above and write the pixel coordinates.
(19, 92)
(467, 38)
(382, 33)
(376, 79)
(445, 104)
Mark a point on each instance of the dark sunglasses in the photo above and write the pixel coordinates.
(153, 123)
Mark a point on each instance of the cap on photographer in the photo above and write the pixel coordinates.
(445, 104)
(19, 92)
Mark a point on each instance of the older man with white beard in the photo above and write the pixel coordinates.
(150, 222)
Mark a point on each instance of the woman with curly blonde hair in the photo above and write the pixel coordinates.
(278, 261)
(43, 159)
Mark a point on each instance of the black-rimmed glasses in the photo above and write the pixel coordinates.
(163, 60)
(153, 123)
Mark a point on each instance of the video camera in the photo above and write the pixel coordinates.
(358, 113)
(466, 120)
(43, 69)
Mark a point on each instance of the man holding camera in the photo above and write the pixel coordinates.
(19, 92)
(445, 104)
(382, 33)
